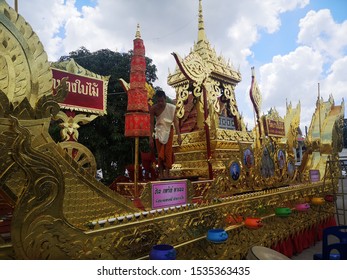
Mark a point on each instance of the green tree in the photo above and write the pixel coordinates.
(105, 135)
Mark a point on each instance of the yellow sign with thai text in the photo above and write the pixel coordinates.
(274, 128)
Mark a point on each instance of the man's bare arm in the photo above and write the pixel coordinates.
(177, 129)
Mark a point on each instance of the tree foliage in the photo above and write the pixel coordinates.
(105, 135)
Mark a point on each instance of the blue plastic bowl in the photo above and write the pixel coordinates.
(217, 235)
(162, 252)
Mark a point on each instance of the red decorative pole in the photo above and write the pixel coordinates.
(207, 134)
(137, 118)
(255, 95)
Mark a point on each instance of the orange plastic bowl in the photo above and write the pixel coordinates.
(318, 200)
(253, 223)
(234, 220)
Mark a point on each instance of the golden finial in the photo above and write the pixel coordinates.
(253, 72)
(201, 32)
(138, 34)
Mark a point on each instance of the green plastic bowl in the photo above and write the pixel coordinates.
(283, 211)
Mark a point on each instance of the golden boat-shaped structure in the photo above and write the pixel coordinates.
(58, 210)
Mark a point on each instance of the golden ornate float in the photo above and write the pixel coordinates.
(58, 210)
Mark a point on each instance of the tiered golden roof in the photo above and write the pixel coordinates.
(217, 80)
(220, 69)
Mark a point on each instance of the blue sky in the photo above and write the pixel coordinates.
(285, 39)
(338, 8)
(293, 44)
(81, 3)
(280, 42)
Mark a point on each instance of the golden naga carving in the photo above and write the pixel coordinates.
(60, 211)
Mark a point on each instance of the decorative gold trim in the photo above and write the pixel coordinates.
(70, 124)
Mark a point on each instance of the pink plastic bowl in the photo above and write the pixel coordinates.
(302, 207)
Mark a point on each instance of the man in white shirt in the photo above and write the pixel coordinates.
(165, 117)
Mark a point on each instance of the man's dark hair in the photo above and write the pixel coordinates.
(160, 93)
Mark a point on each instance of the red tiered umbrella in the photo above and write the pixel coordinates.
(137, 118)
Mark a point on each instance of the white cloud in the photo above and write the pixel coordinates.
(319, 31)
(242, 43)
(295, 76)
(47, 19)
(248, 19)
(292, 77)
(233, 27)
(336, 82)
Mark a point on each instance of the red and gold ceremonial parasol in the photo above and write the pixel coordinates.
(137, 118)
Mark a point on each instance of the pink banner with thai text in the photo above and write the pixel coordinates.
(169, 193)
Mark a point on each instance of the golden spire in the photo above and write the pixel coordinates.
(201, 33)
(138, 34)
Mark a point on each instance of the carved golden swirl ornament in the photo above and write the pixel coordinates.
(197, 71)
(25, 71)
(193, 66)
(182, 96)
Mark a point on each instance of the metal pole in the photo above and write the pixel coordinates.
(16, 6)
(136, 167)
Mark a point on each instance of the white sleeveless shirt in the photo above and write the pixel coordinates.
(164, 122)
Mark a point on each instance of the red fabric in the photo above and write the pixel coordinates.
(137, 124)
(300, 241)
(147, 160)
(288, 247)
(137, 100)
